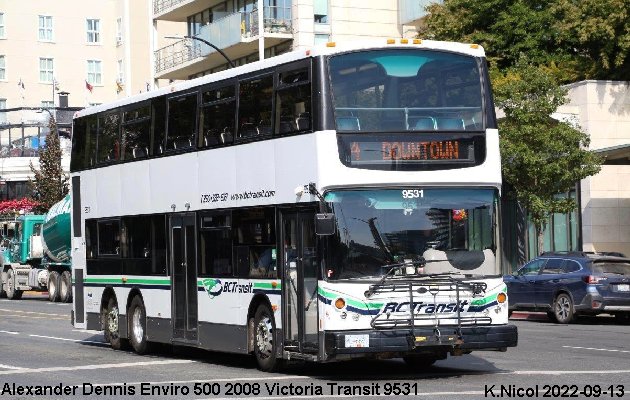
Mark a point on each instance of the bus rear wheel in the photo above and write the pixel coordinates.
(53, 286)
(138, 326)
(65, 287)
(112, 327)
(265, 346)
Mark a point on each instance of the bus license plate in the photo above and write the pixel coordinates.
(623, 288)
(357, 341)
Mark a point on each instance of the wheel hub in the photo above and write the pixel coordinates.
(112, 321)
(562, 308)
(136, 322)
(264, 337)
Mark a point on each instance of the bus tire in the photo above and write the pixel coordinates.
(111, 328)
(3, 281)
(53, 286)
(65, 287)
(265, 347)
(12, 292)
(138, 326)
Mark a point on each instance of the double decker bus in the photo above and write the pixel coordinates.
(321, 205)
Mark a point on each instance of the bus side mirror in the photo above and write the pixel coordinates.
(325, 224)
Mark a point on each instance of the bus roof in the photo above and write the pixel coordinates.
(327, 49)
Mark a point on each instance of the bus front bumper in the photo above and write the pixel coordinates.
(404, 341)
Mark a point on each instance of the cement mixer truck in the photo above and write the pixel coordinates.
(38, 256)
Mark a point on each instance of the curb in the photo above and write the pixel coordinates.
(529, 316)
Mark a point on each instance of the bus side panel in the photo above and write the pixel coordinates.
(173, 182)
(157, 303)
(133, 177)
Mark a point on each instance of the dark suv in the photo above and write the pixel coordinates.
(572, 283)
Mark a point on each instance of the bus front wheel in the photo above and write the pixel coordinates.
(264, 339)
(138, 326)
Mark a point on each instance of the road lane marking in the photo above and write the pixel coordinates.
(596, 349)
(95, 366)
(32, 317)
(33, 312)
(9, 367)
(70, 340)
(87, 331)
(10, 332)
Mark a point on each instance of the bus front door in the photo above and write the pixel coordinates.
(184, 277)
(300, 282)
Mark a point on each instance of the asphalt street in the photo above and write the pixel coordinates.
(39, 347)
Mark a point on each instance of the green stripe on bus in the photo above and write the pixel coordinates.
(354, 303)
(142, 281)
(485, 300)
(267, 285)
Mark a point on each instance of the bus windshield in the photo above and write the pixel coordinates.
(377, 228)
(406, 90)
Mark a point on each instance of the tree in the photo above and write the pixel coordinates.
(541, 157)
(50, 183)
(587, 39)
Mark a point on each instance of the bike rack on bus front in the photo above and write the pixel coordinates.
(433, 285)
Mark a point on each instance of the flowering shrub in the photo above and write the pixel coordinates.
(14, 207)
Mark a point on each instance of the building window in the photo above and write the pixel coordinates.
(47, 104)
(45, 28)
(119, 30)
(46, 70)
(121, 72)
(321, 38)
(93, 30)
(1, 25)
(320, 11)
(3, 69)
(94, 72)
(3, 115)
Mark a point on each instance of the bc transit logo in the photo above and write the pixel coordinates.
(213, 287)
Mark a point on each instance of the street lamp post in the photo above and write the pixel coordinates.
(206, 42)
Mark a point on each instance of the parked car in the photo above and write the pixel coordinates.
(566, 284)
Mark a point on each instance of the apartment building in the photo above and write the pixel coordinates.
(89, 51)
(245, 34)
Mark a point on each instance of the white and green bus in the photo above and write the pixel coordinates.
(324, 204)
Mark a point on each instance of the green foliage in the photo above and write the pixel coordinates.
(50, 183)
(586, 39)
(541, 156)
(599, 33)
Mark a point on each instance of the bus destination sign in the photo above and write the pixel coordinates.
(409, 151)
(420, 151)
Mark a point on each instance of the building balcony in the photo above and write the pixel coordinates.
(236, 34)
(411, 11)
(179, 10)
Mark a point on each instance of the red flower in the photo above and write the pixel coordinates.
(16, 206)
